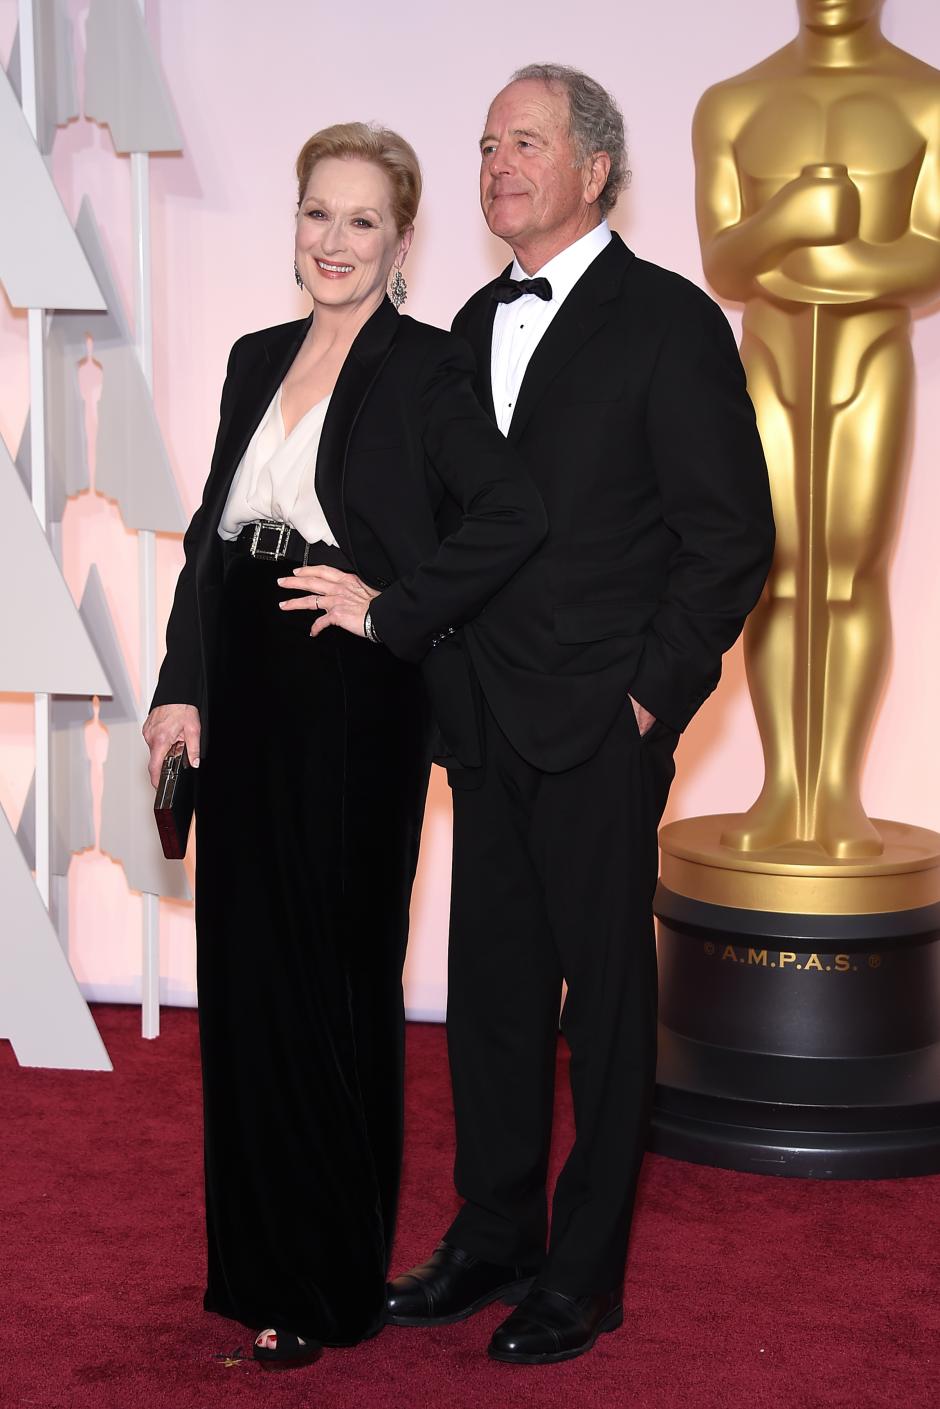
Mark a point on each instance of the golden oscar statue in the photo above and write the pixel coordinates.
(818, 202)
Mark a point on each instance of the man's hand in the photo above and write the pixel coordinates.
(163, 727)
(644, 720)
(341, 596)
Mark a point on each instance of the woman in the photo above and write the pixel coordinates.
(355, 478)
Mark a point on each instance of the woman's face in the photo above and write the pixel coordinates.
(347, 240)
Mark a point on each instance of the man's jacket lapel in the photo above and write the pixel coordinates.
(587, 307)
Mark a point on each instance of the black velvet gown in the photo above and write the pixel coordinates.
(315, 762)
(309, 814)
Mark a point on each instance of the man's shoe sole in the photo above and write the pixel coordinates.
(511, 1294)
(611, 1322)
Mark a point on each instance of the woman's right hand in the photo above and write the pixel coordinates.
(163, 727)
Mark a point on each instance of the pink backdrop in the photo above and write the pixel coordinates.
(250, 82)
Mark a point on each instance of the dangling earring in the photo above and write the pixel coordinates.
(297, 276)
(399, 290)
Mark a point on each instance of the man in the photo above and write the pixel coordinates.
(620, 385)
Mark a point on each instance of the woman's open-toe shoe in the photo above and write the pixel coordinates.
(288, 1351)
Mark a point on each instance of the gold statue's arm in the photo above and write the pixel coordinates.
(905, 270)
(819, 207)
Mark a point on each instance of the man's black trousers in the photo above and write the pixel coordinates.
(553, 880)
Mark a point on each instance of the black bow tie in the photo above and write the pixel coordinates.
(508, 290)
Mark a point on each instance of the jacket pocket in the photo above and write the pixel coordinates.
(596, 621)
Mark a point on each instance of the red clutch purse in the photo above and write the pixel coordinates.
(174, 802)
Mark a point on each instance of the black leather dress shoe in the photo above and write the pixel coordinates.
(548, 1327)
(450, 1286)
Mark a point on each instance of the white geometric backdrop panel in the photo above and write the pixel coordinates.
(47, 646)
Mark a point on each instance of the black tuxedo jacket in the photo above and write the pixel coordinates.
(635, 423)
(421, 491)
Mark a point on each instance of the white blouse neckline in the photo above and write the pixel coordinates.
(276, 477)
(286, 434)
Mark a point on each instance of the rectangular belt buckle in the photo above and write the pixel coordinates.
(279, 550)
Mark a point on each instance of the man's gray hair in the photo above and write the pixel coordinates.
(595, 122)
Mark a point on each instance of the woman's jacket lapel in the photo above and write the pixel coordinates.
(368, 355)
(265, 361)
(260, 378)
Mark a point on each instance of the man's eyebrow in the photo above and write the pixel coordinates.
(514, 132)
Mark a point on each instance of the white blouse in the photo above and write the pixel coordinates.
(275, 479)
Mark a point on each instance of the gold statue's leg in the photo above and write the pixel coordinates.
(864, 481)
(771, 633)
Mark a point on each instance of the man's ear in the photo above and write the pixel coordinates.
(597, 170)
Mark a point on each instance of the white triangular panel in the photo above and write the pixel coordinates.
(42, 1011)
(111, 328)
(14, 72)
(67, 471)
(131, 463)
(72, 818)
(73, 826)
(43, 644)
(108, 327)
(41, 261)
(26, 829)
(124, 86)
(66, 442)
(122, 704)
(24, 458)
(128, 830)
(56, 96)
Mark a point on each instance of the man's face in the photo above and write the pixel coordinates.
(530, 184)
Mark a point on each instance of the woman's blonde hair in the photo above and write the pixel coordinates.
(387, 149)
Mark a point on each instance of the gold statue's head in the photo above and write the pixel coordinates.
(838, 16)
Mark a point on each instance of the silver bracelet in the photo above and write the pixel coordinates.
(369, 628)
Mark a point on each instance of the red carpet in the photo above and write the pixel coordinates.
(743, 1292)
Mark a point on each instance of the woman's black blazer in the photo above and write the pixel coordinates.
(419, 487)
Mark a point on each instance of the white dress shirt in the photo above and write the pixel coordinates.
(275, 479)
(519, 326)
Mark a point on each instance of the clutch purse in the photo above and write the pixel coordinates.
(173, 804)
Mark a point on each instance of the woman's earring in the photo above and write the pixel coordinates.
(297, 276)
(399, 290)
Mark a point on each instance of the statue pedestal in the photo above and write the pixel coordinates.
(799, 1006)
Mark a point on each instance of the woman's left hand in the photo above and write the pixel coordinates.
(341, 596)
